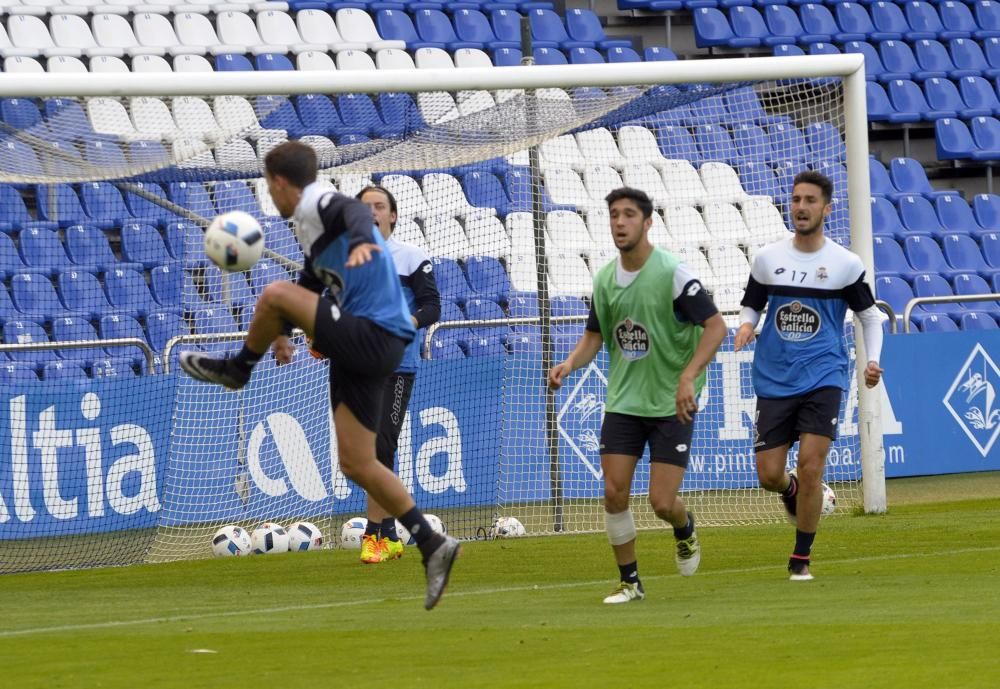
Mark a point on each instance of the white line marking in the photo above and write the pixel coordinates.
(115, 624)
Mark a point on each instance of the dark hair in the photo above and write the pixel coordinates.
(382, 190)
(817, 178)
(638, 196)
(294, 161)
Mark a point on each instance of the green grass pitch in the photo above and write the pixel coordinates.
(904, 600)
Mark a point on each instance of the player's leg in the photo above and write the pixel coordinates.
(622, 442)
(775, 431)
(280, 302)
(669, 450)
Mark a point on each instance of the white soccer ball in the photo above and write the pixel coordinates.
(404, 536)
(269, 538)
(352, 532)
(829, 500)
(304, 536)
(234, 241)
(508, 527)
(436, 523)
(231, 541)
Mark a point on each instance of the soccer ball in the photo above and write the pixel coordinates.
(352, 532)
(269, 538)
(436, 523)
(508, 527)
(404, 536)
(304, 536)
(231, 541)
(234, 241)
(407, 539)
(829, 500)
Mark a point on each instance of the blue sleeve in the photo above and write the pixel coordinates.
(347, 215)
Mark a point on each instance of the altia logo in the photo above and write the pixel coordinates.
(972, 399)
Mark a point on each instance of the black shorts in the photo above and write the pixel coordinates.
(395, 399)
(362, 355)
(781, 421)
(669, 439)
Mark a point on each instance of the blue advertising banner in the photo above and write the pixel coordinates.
(77, 457)
(941, 414)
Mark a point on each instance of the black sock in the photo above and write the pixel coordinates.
(685, 532)
(630, 573)
(247, 359)
(371, 529)
(389, 529)
(803, 544)
(790, 494)
(424, 536)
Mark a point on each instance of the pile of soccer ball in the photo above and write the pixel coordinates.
(353, 530)
(235, 541)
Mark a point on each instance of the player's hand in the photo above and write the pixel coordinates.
(744, 336)
(557, 373)
(873, 374)
(361, 254)
(684, 400)
(283, 349)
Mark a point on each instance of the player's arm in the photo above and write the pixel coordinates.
(860, 299)
(425, 295)
(346, 215)
(694, 305)
(586, 349)
(753, 302)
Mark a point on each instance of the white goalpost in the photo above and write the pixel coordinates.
(500, 175)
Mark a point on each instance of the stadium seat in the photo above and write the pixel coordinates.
(656, 54)
(585, 25)
(444, 348)
(42, 251)
(488, 237)
(473, 27)
(488, 278)
(990, 243)
(485, 309)
(963, 253)
(924, 254)
(817, 22)
(910, 104)
(451, 281)
(889, 258)
(76, 328)
(163, 325)
(230, 289)
(216, 320)
(934, 322)
(59, 203)
(986, 208)
(764, 222)
(711, 28)
(968, 58)
(978, 97)
(14, 212)
(987, 16)
(930, 285)
(27, 332)
(898, 60)
(788, 143)
(919, 217)
(10, 260)
(909, 176)
(721, 183)
(895, 291)
(119, 326)
(923, 20)
(971, 284)
(143, 244)
(957, 217)
(64, 370)
(977, 321)
(943, 97)
(127, 292)
(783, 25)
(889, 21)
(35, 297)
(986, 137)
(956, 20)
(953, 141)
(14, 374)
(880, 108)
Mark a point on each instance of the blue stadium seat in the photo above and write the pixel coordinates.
(523, 305)
(879, 180)
(396, 25)
(908, 100)
(987, 16)
(975, 320)
(624, 54)
(708, 110)
(873, 63)
(64, 370)
(14, 212)
(128, 293)
(116, 326)
(934, 322)
(185, 242)
(35, 297)
(924, 254)
(485, 309)
(569, 306)
(957, 217)
(141, 207)
(743, 105)
(240, 294)
(166, 282)
(972, 284)
(143, 244)
(986, 136)
(82, 294)
(749, 28)
(825, 142)
(507, 26)
(978, 97)
(42, 251)
(880, 108)
(953, 141)
(163, 325)
(818, 22)
(216, 321)
(549, 31)
(19, 159)
(963, 253)
(264, 273)
(714, 143)
(399, 113)
(443, 348)
(272, 62)
(486, 346)
(232, 62)
(968, 58)
(711, 28)
(193, 196)
(451, 281)
(898, 60)
(658, 53)
(933, 59)
(854, 22)
(986, 208)
(360, 110)
(919, 217)
(488, 278)
(10, 260)
(526, 345)
(549, 56)
(759, 179)
(20, 113)
(277, 112)
(148, 154)
(104, 205)
(932, 285)
(281, 240)
(909, 177)
(236, 196)
(990, 243)
(61, 159)
(923, 21)
(320, 117)
(76, 328)
(889, 258)
(506, 57)
(784, 25)
(450, 311)
(585, 25)
(889, 20)
(956, 20)
(28, 332)
(752, 144)
(58, 203)
(473, 26)
(484, 190)
(517, 181)
(114, 368)
(585, 56)
(16, 373)
(788, 143)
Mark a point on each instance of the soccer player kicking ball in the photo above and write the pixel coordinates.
(363, 327)
(416, 274)
(661, 329)
(800, 365)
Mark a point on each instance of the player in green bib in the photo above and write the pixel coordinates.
(661, 329)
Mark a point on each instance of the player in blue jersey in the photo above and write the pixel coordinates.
(350, 303)
(800, 364)
(416, 274)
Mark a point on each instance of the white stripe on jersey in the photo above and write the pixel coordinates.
(407, 257)
(308, 226)
(831, 268)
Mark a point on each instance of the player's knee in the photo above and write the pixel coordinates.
(772, 479)
(810, 470)
(275, 295)
(663, 506)
(620, 527)
(615, 499)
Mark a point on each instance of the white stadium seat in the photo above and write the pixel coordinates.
(437, 107)
(192, 63)
(432, 58)
(195, 31)
(638, 145)
(277, 28)
(599, 148)
(446, 238)
(472, 57)
(600, 180)
(469, 102)
(238, 29)
(64, 64)
(725, 224)
(568, 233)
(523, 272)
(8, 50)
(722, 184)
(763, 220)
(521, 229)
(393, 58)
(358, 26)
(71, 31)
(409, 197)
(562, 151)
(23, 65)
(646, 177)
(234, 113)
(355, 60)
(488, 237)
(192, 153)
(114, 31)
(566, 188)
(326, 150)
(729, 265)
(150, 63)
(106, 64)
(38, 8)
(194, 117)
(30, 33)
(699, 265)
(409, 232)
(683, 183)
(236, 154)
(569, 275)
(317, 26)
(156, 31)
(445, 196)
(268, 139)
(686, 226)
(727, 299)
(152, 118)
(659, 234)
(314, 61)
(108, 116)
(351, 183)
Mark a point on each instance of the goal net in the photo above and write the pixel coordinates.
(499, 175)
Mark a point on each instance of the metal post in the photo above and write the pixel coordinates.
(541, 267)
